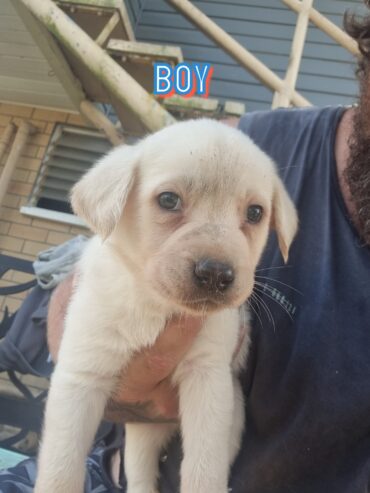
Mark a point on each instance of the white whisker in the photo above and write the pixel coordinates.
(276, 301)
(250, 305)
(266, 308)
(279, 282)
(271, 268)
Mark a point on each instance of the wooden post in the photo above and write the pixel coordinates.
(5, 139)
(100, 121)
(327, 26)
(105, 69)
(108, 29)
(24, 130)
(284, 97)
(234, 49)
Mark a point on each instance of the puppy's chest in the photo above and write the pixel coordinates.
(214, 346)
(140, 327)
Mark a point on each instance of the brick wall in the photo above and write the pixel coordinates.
(20, 235)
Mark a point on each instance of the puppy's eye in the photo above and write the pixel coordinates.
(170, 201)
(254, 214)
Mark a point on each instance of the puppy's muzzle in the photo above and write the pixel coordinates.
(213, 276)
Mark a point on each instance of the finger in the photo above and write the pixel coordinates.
(154, 364)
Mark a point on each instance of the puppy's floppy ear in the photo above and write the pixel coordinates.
(284, 218)
(100, 196)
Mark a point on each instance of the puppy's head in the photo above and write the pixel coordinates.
(191, 207)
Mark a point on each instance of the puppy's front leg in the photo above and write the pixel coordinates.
(206, 405)
(74, 409)
(143, 444)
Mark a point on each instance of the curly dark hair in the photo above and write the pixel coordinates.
(357, 173)
(358, 27)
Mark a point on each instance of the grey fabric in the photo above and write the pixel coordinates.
(53, 265)
(24, 348)
(21, 478)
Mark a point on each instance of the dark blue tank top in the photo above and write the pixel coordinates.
(308, 388)
(307, 384)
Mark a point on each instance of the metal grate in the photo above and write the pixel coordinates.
(71, 152)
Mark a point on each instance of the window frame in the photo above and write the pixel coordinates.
(30, 208)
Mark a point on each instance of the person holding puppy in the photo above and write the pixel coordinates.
(307, 384)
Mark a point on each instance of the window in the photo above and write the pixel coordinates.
(71, 152)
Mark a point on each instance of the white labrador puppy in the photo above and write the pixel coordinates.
(181, 220)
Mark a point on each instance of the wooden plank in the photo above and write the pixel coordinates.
(325, 6)
(328, 68)
(326, 85)
(6, 8)
(243, 92)
(328, 26)
(234, 108)
(90, 3)
(283, 97)
(135, 9)
(152, 51)
(200, 106)
(68, 81)
(259, 98)
(225, 66)
(241, 12)
(268, 4)
(22, 137)
(182, 37)
(116, 81)
(114, 5)
(172, 20)
(18, 37)
(54, 56)
(126, 19)
(334, 7)
(11, 23)
(19, 50)
(310, 66)
(270, 41)
(317, 37)
(256, 45)
(191, 104)
(337, 89)
(325, 99)
(58, 102)
(327, 53)
(265, 37)
(26, 68)
(35, 383)
(107, 30)
(7, 387)
(45, 88)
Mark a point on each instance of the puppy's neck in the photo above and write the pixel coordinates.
(134, 276)
(123, 257)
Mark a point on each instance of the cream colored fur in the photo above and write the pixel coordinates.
(136, 273)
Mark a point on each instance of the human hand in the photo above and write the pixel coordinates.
(144, 392)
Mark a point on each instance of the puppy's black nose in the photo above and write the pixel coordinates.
(213, 275)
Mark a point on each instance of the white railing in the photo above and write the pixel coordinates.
(285, 93)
